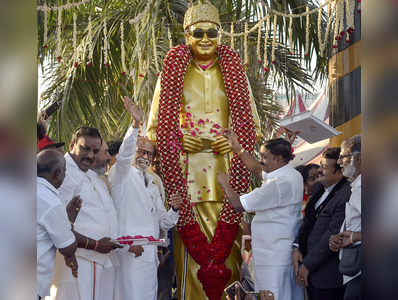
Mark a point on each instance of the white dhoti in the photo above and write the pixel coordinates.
(279, 280)
(136, 279)
(94, 282)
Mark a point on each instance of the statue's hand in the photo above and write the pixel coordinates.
(221, 145)
(190, 144)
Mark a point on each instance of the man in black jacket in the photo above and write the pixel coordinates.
(316, 266)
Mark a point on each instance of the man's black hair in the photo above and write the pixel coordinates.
(114, 146)
(280, 147)
(333, 153)
(86, 131)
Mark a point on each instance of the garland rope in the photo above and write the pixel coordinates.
(60, 8)
(45, 33)
(154, 50)
(75, 53)
(123, 51)
(59, 22)
(274, 40)
(307, 33)
(105, 44)
(90, 41)
(266, 43)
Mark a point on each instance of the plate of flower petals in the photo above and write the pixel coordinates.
(138, 240)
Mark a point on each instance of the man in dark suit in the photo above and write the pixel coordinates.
(316, 266)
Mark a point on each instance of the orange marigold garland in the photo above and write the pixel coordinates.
(210, 256)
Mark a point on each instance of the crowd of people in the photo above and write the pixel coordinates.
(305, 218)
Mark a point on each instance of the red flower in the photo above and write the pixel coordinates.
(123, 73)
(141, 75)
(266, 69)
(45, 46)
(89, 64)
(76, 64)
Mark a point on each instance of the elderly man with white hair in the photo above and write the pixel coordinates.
(140, 211)
(350, 161)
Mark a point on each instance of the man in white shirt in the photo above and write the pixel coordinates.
(53, 227)
(140, 212)
(94, 228)
(277, 204)
(316, 267)
(350, 161)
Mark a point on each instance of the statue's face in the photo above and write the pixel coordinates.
(204, 45)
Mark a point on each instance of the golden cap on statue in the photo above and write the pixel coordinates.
(201, 13)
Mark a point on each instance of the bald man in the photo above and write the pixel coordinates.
(53, 226)
(140, 211)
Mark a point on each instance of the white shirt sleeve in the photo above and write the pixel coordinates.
(262, 198)
(67, 189)
(356, 199)
(167, 219)
(57, 225)
(125, 157)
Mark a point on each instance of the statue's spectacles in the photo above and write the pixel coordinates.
(199, 33)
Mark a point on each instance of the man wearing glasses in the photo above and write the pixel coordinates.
(140, 211)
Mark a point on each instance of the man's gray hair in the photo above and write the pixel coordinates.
(48, 161)
(354, 144)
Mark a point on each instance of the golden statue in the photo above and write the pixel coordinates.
(195, 77)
